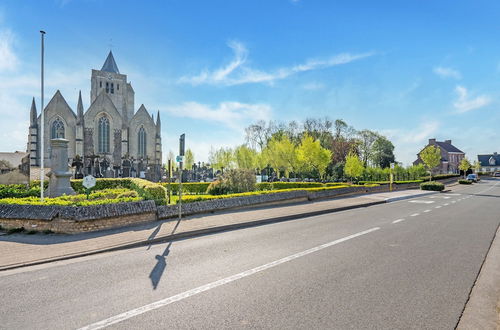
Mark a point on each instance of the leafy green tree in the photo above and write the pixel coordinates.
(464, 165)
(188, 159)
(312, 156)
(353, 166)
(281, 155)
(431, 156)
(245, 157)
(382, 152)
(477, 166)
(222, 158)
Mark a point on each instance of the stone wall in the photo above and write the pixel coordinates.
(67, 219)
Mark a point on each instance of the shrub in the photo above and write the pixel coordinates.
(188, 187)
(463, 181)
(440, 176)
(263, 186)
(233, 181)
(432, 185)
(149, 190)
(387, 182)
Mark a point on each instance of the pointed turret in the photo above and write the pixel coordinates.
(79, 110)
(33, 115)
(110, 64)
(158, 123)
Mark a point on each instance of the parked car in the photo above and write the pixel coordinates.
(496, 174)
(472, 177)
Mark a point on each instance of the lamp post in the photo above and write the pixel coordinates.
(42, 169)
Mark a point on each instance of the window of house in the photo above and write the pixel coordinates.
(142, 142)
(103, 135)
(107, 87)
(57, 129)
(112, 88)
(100, 84)
(117, 87)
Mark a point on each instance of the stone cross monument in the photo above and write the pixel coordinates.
(59, 175)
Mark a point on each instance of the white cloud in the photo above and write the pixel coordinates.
(234, 115)
(464, 103)
(313, 86)
(8, 59)
(236, 72)
(447, 72)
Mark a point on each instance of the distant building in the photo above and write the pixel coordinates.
(489, 163)
(450, 156)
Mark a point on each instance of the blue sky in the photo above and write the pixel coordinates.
(412, 70)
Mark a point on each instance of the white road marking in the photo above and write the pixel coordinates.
(167, 301)
(421, 201)
(438, 207)
(446, 204)
(453, 201)
(452, 194)
(414, 214)
(427, 211)
(399, 220)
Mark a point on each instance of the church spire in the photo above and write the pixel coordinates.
(33, 115)
(158, 123)
(79, 110)
(110, 64)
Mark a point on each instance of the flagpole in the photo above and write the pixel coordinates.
(42, 156)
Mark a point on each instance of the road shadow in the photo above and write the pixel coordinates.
(161, 263)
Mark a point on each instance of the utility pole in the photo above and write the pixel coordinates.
(42, 169)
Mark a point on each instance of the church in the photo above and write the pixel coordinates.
(110, 138)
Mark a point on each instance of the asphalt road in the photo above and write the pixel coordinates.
(404, 265)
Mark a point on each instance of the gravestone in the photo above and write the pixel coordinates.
(60, 174)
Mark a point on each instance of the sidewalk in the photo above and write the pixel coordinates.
(20, 250)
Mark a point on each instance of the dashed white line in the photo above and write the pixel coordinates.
(167, 301)
(446, 204)
(414, 214)
(427, 211)
(399, 220)
(438, 207)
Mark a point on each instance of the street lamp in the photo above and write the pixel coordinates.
(42, 169)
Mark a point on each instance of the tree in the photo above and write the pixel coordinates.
(188, 159)
(221, 158)
(245, 157)
(311, 155)
(431, 156)
(464, 165)
(353, 166)
(366, 140)
(476, 166)
(382, 152)
(280, 153)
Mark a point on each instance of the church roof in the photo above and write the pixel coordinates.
(110, 64)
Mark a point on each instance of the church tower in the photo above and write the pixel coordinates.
(33, 135)
(109, 80)
(80, 127)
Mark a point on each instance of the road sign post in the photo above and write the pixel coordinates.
(391, 177)
(88, 182)
(180, 160)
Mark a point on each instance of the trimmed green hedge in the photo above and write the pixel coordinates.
(432, 185)
(194, 188)
(105, 196)
(387, 182)
(146, 189)
(440, 177)
(463, 181)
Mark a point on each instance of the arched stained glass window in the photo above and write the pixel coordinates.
(57, 129)
(103, 136)
(142, 142)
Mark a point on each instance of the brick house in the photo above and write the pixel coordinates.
(450, 157)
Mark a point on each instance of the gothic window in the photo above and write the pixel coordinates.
(103, 136)
(117, 87)
(112, 88)
(57, 129)
(142, 142)
(100, 84)
(107, 87)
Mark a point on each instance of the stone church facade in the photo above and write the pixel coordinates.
(109, 139)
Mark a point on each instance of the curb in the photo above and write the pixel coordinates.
(192, 233)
